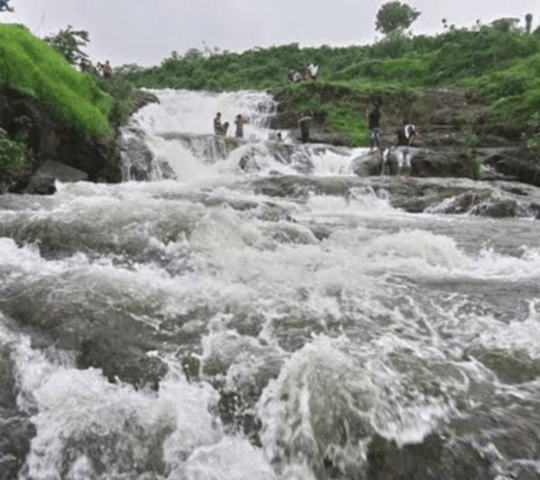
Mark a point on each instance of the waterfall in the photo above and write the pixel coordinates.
(175, 139)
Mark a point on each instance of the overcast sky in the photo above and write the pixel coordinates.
(145, 32)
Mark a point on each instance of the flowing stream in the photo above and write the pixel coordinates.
(190, 327)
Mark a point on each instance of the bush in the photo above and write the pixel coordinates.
(13, 153)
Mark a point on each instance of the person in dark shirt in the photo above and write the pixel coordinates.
(239, 122)
(107, 70)
(303, 123)
(374, 126)
(218, 127)
(404, 137)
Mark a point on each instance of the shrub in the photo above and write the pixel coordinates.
(13, 153)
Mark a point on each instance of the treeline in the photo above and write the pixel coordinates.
(421, 60)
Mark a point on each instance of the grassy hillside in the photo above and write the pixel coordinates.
(32, 67)
(497, 68)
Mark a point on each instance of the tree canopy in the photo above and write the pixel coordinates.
(395, 16)
(69, 44)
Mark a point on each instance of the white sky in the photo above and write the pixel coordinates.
(145, 32)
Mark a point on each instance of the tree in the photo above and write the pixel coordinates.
(68, 43)
(395, 16)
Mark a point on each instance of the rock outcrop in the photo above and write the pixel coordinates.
(48, 140)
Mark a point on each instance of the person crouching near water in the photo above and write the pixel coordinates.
(239, 122)
(220, 129)
(404, 137)
(303, 123)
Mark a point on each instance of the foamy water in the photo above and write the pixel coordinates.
(287, 351)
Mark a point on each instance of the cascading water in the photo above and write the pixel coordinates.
(194, 327)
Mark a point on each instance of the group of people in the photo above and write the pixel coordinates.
(310, 74)
(221, 129)
(103, 70)
(4, 6)
(404, 139)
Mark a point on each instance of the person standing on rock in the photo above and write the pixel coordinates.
(303, 123)
(239, 122)
(4, 4)
(374, 126)
(218, 127)
(404, 137)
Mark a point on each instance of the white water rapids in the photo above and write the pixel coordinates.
(193, 328)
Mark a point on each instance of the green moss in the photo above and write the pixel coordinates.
(32, 67)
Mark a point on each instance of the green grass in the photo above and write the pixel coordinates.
(30, 66)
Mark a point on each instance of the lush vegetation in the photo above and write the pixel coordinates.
(32, 67)
(498, 67)
(13, 153)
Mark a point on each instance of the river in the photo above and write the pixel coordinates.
(189, 327)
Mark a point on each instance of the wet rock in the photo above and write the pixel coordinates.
(142, 98)
(16, 433)
(367, 165)
(41, 185)
(99, 336)
(509, 164)
(122, 359)
(207, 147)
(484, 203)
(61, 172)
(414, 195)
(16, 430)
(435, 458)
(139, 161)
(8, 396)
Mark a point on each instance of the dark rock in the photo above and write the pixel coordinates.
(8, 395)
(368, 165)
(433, 459)
(16, 430)
(122, 359)
(142, 98)
(329, 138)
(414, 195)
(16, 433)
(41, 185)
(522, 170)
(61, 172)
(112, 340)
